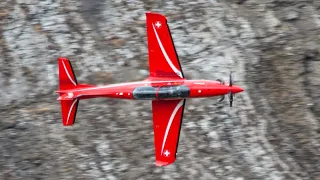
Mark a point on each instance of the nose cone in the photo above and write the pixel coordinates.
(236, 89)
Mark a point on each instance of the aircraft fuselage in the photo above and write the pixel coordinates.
(151, 89)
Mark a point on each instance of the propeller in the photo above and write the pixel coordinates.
(231, 95)
(231, 98)
(230, 79)
(223, 96)
(230, 92)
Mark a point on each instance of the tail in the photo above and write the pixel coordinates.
(67, 81)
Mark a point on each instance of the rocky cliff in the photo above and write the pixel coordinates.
(272, 132)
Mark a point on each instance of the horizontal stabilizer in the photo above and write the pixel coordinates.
(69, 110)
(67, 79)
(68, 99)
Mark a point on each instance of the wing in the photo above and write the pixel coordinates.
(167, 118)
(163, 58)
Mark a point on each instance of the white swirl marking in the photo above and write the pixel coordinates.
(65, 68)
(70, 110)
(174, 112)
(165, 54)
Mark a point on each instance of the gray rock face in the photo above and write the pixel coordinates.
(272, 132)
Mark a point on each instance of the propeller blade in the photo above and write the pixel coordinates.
(231, 99)
(230, 79)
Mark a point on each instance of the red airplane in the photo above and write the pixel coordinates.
(166, 87)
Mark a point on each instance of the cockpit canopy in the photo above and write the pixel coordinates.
(166, 92)
(173, 92)
(144, 92)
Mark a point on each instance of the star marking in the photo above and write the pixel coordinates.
(166, 153)
(158, 24)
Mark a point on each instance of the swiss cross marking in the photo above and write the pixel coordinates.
(158, 24)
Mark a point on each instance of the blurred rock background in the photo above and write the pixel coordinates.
(272, 132)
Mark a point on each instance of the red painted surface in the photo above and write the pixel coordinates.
(159, 41)
(165, 73)
(167, 116)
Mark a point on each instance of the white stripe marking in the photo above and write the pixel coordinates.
(170, 122)
(166, 55)
(65, 68)
(121, 84)
(70, 110)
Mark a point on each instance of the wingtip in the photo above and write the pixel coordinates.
(63, 58)
(161, 163)
(155, 14)
(164, 163)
